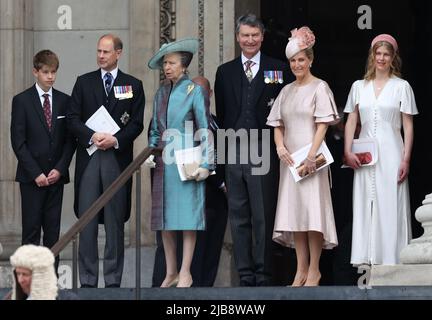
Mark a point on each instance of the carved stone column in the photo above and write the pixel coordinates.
(16, 52)
(144, 39)
(416, 258)
(419, 251)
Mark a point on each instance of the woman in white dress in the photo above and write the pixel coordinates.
(301, 114)
(383, 103)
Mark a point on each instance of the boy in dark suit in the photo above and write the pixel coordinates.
(44, 149)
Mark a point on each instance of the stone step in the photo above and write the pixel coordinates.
(259, 293)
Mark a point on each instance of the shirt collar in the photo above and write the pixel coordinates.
(113, 72)
(41, 92)
(256, 58)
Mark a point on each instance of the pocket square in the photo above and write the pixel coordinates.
(61, 117)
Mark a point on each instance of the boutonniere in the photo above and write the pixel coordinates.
(273, 76)
(270, 103)
(190, 88)
(125, 118)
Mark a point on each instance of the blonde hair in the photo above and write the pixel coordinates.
(309, 53)
(395, 66)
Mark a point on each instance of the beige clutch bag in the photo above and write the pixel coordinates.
(190, 168)
(320, 161)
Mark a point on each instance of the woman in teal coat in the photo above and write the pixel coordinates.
(180, 121)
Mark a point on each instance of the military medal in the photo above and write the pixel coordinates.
(123, 92)
(273, 76)
(266, 77)
(280, 76)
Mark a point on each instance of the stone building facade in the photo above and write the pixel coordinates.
(71, 29)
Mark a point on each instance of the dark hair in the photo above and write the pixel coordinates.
(118, 44)
(19, 293)
(249, 20)
(185, 58)
(45, 58)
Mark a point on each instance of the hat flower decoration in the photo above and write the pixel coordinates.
(300, 39)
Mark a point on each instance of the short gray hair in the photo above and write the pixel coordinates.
(249, 20)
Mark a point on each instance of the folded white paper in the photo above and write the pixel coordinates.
(101, 121)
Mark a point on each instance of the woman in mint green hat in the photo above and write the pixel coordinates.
(180, 121)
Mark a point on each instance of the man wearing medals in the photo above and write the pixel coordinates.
(245, 89)
(123, 97)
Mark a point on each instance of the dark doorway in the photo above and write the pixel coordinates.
(340, 57)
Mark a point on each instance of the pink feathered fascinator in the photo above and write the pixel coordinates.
(387, 38)
(301, 39)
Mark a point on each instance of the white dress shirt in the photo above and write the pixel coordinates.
(41, 97)
(113, 73)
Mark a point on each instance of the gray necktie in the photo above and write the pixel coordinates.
(249, 74)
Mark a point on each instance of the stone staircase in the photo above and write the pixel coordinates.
(260, 293)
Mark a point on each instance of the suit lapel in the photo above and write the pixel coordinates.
(119, 81)
(236, 77)
(99, 90)
(259, 86)
(38, 107)
(55, 109)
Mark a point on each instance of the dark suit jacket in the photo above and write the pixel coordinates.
(228, 90)
(38, 149)
(87, 96)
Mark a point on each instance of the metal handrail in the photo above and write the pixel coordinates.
(104, 198)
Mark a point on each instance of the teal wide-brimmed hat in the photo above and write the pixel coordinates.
(185, 44)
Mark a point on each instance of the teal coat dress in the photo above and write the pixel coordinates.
(179, 112)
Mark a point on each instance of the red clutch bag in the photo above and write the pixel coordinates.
(364, 157)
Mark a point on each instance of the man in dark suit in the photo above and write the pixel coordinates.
(123, 97)
(44, 149)
(245, 89)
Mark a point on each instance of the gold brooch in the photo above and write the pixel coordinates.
(190, 88)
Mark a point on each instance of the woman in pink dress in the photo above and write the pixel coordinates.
(301, 114)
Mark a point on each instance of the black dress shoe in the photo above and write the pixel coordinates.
(263, 283)
(247, 282)
(87, 286)
(114, 285)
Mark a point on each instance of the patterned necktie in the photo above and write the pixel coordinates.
(47, 109)
(108, 82)
(248, 70)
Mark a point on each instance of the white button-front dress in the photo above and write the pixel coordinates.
(381, 206)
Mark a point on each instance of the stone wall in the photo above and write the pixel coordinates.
(71, 29)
